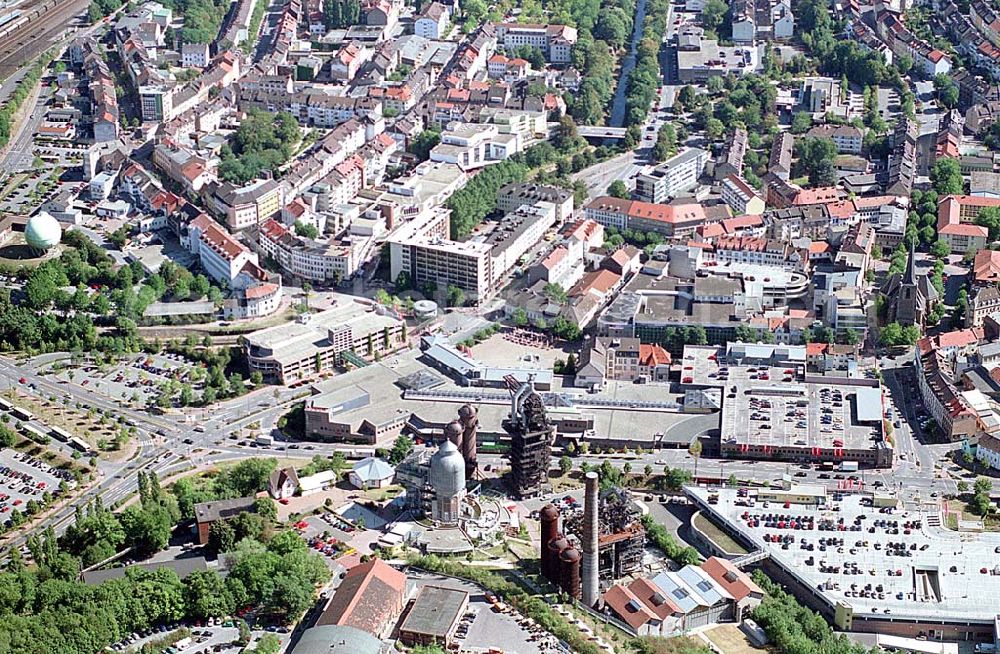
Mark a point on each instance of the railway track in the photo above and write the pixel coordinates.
(33, 31)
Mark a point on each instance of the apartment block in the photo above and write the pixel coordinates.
(673, 177)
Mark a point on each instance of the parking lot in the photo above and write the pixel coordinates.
(214, 636)
(505, 629)
(882, 561)
(24, 478)
(328, 535)
(138, 379)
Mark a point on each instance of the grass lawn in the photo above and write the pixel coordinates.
(729, 639)
(721, 539)
(76, 422)
(383, 494)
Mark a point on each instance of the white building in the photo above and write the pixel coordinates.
(472, 146)
(671, 178)
(423, 250)
(432, 21)
(221, 255)
(555, 41)
(371, 472)
(318, 482)
(195, 55)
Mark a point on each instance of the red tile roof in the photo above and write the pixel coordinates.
(651, 354)
(986, 267)
(369, 594)
(736, 582)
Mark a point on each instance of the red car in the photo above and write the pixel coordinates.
(283, 500)
(22, 380)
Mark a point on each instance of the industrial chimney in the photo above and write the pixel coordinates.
(590, 579)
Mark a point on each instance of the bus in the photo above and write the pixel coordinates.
(60, 435)
(34, 433)
(5, 405)
(79, 445)
(21, 414)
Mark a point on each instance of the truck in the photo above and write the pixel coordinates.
(848, 466)
(264, 439)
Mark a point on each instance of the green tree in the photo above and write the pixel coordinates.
(618, 189)
(940, 249)
(565, 465)
(266, 509)
(989, 217)
(147, 530)
(455, 296)
(400, 449)
(206, 596)
(801, 122)
(713, 14)
(714, 129)
(946, 176)
(425, 141)
(307, 230)
(946, 90)
(816, 157)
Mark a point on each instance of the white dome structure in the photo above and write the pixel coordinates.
(447, 478)
(42, 231)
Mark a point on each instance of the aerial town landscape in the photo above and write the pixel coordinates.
(562, 327)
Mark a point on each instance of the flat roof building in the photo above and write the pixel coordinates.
(348, 331)
(434, 616)
(947, 584)
(678, 174)
(773, 409)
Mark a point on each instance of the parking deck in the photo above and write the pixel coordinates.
(887, 564)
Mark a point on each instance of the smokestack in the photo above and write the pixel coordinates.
(590, 578)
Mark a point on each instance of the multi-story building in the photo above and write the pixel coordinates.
(671, 178)
(928, 60)
(847, 138)
(432, 21)
(733, 154)
(671, 220)
(319, 262)
(249, 205)
(956, 222)
(195, 55)
(156, 103)
(512, 196)
(422, 250)
(742, 198)
(221, 255)
(350, 331)
(555, 41)
(779, 163)
(944, 401)
(472, 146)
(621, 359)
